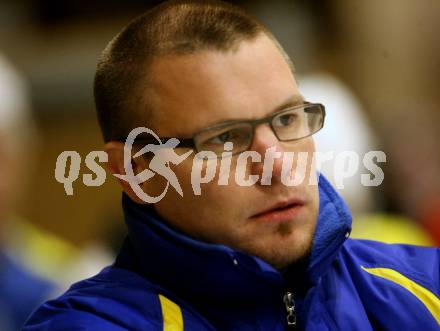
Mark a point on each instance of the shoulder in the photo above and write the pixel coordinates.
(410, 256)
(390, 283)
(115, 299)
(407, 265)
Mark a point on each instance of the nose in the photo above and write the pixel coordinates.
(268, 146)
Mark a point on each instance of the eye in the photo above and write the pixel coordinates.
(222, 138)
(285, 119)
(237, 135)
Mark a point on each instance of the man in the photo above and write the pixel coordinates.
(22, 287)
(260, 257)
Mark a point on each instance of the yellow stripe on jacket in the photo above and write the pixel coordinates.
(429, 299)
(172, 315)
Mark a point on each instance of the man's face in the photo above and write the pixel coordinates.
(192, 92)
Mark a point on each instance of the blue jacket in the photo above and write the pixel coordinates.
(21, 292)
(164, 280)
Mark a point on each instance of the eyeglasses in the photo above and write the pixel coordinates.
(289, 124)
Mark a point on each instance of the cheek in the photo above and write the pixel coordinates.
(310, 145)
(307, 146)
(212, 215)
(212, 197)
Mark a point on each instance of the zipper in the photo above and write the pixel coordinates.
(289, 303)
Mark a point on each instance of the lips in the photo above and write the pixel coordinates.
(281, 211)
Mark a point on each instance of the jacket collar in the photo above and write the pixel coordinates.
(194, 269)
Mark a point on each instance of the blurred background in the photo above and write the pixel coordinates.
(374, 64)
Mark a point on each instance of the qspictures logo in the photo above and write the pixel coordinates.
(206, 165)
(163, 155)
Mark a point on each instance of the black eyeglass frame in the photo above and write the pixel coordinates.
(191, 142)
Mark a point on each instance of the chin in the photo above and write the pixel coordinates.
(281, 253)
(285, 259)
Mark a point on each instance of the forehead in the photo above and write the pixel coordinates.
(191, 92)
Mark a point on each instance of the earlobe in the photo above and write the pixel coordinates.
(115, 152)
(115, 165)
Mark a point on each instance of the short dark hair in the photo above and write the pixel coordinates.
(173, 27)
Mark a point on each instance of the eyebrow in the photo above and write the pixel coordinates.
(292, 101)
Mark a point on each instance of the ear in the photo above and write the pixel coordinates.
(115, 165)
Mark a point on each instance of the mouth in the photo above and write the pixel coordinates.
(282, 211)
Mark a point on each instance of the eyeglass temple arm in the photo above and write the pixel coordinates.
(183, 142)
